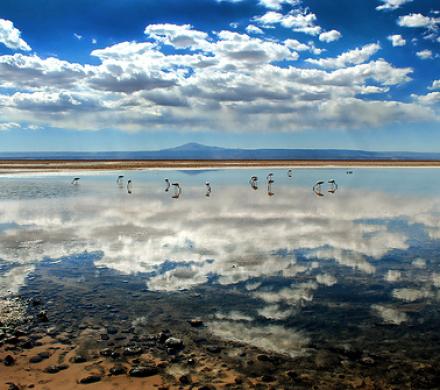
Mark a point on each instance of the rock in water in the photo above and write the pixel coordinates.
(142, 371)
(90, 379)
(8, 361)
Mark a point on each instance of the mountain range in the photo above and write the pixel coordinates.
(196, 151)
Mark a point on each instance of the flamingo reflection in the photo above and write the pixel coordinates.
(208, 189)
(177, 190)
(317, 188)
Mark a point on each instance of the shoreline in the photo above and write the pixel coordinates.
(23, 166)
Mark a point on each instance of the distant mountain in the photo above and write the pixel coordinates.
(195, 151)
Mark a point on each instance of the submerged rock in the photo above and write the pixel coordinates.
(118, 370)
(174, 343)
(8, 361)
(143, 371)
(78, 359)
(90, 379)
(196, 323)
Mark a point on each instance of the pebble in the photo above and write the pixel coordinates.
(196, 323)
(78, 359)
(118, 370)
(8, 361)
(132, 351)
(90, 379)
(185, 379)
(213, 349)
(174, 343)
(142, 371)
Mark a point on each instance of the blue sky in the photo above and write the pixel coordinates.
(141, 74)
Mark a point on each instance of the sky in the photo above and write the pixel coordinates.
(145, 74)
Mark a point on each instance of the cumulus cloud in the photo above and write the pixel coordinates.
(391, 5)
(326, 279)
(351, 57)
(435, 85)
(397, 40)
(10, 36)
(330, 36)
(278, 4)
(417, 21)
(252, 29)
(183, 78)
(4, 126)
(424, 54)
(299, 20)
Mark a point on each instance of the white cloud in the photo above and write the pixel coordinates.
(221, 80)
(397, 40)
(435, 85)
(330, 36)
(178, 36)
(391, 5)
(252, 29)
(277, 4)
(352, 57)
(418, 21)
(94, 41)
(4, 126)
(11, 36)
(299, 20)
(424, 54)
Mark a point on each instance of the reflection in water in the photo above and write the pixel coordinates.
(253, 181)
(371, 253)
(208, 189)
(177, 190)
(120, 181)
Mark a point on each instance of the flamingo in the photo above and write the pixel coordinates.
(269, 178)
(119, 181)
(253, 182)
(129, 186)
(75, 180)
(289, 173)
(167, 182)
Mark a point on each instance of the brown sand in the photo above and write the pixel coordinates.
(59, 165)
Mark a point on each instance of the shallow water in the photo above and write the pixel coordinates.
(285, 270)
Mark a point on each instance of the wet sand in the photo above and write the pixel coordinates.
(8, 166)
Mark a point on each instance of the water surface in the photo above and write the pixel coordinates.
(344, 281)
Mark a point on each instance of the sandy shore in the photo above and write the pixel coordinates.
(10, 166)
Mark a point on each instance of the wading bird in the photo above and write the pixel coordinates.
(76, 180)
(119, 180)
(289, 173)
(167, 185)
(269, 178)
(129, 187)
